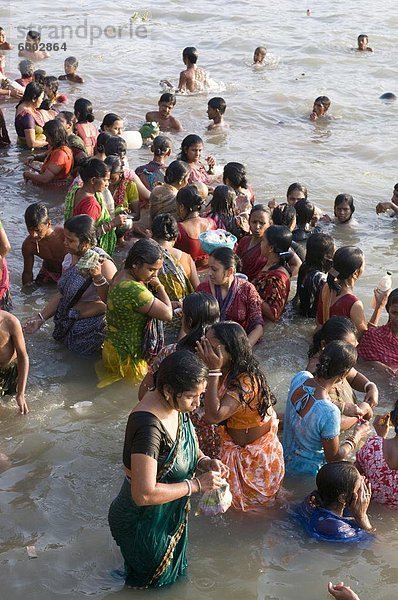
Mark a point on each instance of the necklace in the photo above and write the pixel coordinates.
(193, 216)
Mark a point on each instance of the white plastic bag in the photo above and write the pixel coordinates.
(216, 502)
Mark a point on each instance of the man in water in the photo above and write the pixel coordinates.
(14, 360)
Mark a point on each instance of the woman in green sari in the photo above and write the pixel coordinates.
(87, 199)
(148, 519)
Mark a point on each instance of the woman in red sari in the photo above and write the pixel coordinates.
(273, 282)
(249, 247)
(237, 298)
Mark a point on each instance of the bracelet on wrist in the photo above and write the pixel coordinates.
(199, 484)
(42, 319)
(204, 457)
(189, 484)
(367, 384)
(100, 282)
(214, 374)
(350, 443)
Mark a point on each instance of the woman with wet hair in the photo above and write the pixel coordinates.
(311, 427)
(339, 487)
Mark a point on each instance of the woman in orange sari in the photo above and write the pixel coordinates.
(237, 393)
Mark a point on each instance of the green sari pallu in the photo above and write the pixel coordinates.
(107, 241)
(153, 539)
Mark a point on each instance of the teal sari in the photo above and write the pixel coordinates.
(153, 539)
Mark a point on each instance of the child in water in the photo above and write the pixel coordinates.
(31, 47)
(167, 102)
(259, 56)
(320, 108)
(14, 360)
(51, 91)
(363, 43)
(383, 207)
(216, 108)
(70, 66)
(44, 241)
(193, 78)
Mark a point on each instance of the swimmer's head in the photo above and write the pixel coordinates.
(321, 105)
(166, 103)
(2, 36)
(320, 251)
(259, 220)
(388, 97)
(188, 201)
(259, 54)
(33, 37)
(37, 221)
(96, 173)
(190, 55)
(26, 68)
(83, 110)
(348, 266)
(337, 482)
(162, 146)
(305, 211)
(335, 328)
(344, 207)
(70, 65)
(112, 124)
(216, 107)
(363, 41)
(395, 194)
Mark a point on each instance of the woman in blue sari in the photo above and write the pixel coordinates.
(148, 519)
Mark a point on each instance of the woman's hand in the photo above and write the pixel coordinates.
(217, 465)
(372, 395)
(96, 272)
(313, 116)
(365, 411)
(32, 325)
(341, 591)
(26, 176)
(382, 424)
(211, 161)
(360, 504)
(381, 298)
(213, 359)
(361, 430)
(211, 480)
(119, 220)
(154, 284)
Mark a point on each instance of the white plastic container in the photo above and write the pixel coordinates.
(384, 285)
(133, 139)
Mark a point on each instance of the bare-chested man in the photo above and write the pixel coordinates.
(45, 242)
(14, 360)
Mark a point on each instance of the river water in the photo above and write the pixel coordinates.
(65, 465)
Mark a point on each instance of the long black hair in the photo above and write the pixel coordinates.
(336, 358)
(200, 311)
(144, 251)
(335, 328)
(243, 362)
(333, 480)
(280, 238)
(346, 261)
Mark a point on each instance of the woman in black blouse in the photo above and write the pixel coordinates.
(148, 518)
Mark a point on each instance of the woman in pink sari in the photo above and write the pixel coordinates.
(380, 344)
(237, 298)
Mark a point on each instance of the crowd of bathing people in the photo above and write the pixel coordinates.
(182, 323)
